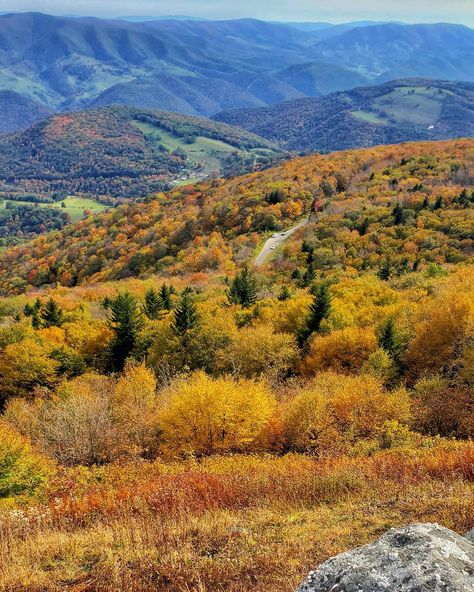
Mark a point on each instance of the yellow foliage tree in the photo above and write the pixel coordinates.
(134, 406)
(344, 351)
(23, 472)
(441, 334)
(23, 366)
(202, 415)
(259, 350)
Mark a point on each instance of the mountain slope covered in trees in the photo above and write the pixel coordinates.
(208, 422)
(121, 152)
(394, 50)
(403, 206)
(18, 111)
(203, 67)
(399, 111)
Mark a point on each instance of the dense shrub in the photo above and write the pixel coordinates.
(334, 411)
(23, 472)
(202, 415)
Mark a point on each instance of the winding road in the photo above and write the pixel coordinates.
(275, 241)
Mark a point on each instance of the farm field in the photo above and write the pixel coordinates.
(419, 105)
(205, 155)
(74, 206)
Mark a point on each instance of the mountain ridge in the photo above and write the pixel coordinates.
(204, 67)
(397, 111)
(121, 153)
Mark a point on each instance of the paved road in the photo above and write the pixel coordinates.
(276, 241)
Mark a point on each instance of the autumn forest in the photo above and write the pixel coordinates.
(176, 417)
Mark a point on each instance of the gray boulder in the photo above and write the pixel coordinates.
(416, 558)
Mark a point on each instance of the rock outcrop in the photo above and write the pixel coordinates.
(416, 558)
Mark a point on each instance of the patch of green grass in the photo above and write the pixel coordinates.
(368, 116)
(206, 152)
(419, 105)
(74, 206)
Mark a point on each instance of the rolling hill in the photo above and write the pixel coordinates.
(399, 111)
(414, 201)
(390, 51)
(185, 66)
(19, 112)
(204, 67)
(121, 152)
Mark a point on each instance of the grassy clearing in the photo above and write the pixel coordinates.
(205, 151)
(75, 206)
(368, 116)
(418, 105)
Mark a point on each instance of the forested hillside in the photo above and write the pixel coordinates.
(206, 422)
(120, 152)
(204, 67)
(409, 204)
(399, 111)
(19, 112)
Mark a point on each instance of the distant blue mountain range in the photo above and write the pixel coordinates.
(202, 67)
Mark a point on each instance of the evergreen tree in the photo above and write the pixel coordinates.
(296, 275)
(364, 226)
(397, 215)
(386, 271)
(106, 302)
(51, 314)
(439, 203)
(426, 203)
(389, 340)
(308, 277)
(36, 317)
(284, 294)
(464, 199)
(404, 266)
(33, 311)
(319, 310)
(126, 321)
(186, 316)
(165, 297)
(309, 250)
(153, 304)
(28, 310)
(243, 289)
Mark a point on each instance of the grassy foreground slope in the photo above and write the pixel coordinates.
(217, 224)
(236, 524)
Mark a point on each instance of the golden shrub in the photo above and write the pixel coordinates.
(203, 415)
(344, 351)
(335, 410)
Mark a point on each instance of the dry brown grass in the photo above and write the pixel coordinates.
(285, 517)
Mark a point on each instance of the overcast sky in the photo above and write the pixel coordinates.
(461, 11)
